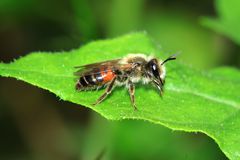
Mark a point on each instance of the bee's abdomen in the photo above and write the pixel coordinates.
(94, 80)
(86, 82)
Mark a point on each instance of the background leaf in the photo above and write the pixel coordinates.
(193, 101)
(228, 21)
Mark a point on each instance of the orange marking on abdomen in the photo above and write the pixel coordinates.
(107, 75)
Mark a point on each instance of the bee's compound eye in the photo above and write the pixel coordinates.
(154, 67)
(155, 70)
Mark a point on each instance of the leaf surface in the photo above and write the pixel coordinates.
(193, 100)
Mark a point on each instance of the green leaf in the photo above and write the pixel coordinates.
(207, 102)
(228, 21)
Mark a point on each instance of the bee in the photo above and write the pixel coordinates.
(126, 71)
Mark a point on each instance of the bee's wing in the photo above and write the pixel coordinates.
(94, 67)
(104, 63)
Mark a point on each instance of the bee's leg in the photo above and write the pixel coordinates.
(106, 93)
(131, 89)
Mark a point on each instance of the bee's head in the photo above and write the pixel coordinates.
(156, 71)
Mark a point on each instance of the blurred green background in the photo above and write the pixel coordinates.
(35, 124)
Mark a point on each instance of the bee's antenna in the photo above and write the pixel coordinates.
(172, 57)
